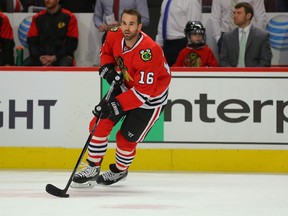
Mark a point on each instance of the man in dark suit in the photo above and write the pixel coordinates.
(251, 50)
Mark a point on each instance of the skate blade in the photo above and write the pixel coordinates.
(89, 184)
(105, 184)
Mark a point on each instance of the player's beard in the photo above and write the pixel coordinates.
(128, 36)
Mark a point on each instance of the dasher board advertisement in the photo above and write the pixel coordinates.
(53, 109)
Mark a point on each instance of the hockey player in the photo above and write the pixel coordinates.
(139, 97)
(196, 53)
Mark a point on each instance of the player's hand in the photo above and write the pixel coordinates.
(109, 73)
(108, 109)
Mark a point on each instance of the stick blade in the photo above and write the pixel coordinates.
(51, 189)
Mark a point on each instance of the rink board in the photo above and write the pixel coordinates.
(197, 160)
(215, 120)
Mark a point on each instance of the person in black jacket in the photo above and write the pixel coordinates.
(6, 41)
(52, 37)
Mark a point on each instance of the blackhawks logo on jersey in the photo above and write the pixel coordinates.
(192, 60)
(124, 69)
(146, 55)
(61, 25)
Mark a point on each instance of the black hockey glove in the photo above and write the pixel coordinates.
(109, 73)
(108, 109)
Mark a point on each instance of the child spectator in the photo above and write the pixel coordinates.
(196, 53)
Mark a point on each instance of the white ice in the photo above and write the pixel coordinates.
(149, 194)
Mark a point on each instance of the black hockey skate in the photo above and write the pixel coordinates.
(87, 177)
(112, 176)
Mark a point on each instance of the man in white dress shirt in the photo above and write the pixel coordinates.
(178, 14)
(220, 17)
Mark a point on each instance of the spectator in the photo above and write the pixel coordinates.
(107, 13)
(77, 6)
(52, 37)
(173, 18)
(222, 17)
(245, 46)
(139, 97)
(196, 53)
(6, 41)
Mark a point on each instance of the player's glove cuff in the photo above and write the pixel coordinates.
(108, 109)
(109, 73)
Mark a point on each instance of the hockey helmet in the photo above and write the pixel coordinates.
(195, 27)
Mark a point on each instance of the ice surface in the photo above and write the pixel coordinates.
(149, 194)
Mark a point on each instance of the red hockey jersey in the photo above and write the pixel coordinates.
(144, 67)
(189, 57)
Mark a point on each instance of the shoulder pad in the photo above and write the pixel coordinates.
(114, 29)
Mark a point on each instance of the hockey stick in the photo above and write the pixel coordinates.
(53, 190)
